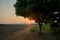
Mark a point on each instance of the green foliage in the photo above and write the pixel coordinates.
(39, 10)
(35, 29)
(58, 30)
(45, 28)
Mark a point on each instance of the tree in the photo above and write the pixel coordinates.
(38, 10)
(55, 21)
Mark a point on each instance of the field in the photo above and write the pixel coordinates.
(7, 30)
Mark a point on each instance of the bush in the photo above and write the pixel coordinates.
(35, 29)
(45, 28)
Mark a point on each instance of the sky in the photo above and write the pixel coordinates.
(7, 14)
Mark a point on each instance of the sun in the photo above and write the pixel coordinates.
(28, 21)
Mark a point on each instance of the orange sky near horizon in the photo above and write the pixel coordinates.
(17, 20)
(7, 14)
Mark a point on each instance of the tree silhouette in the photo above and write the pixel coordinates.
(39, 10)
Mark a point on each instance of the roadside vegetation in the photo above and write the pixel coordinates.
(46, 28)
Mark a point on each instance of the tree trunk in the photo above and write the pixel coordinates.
(40, 26)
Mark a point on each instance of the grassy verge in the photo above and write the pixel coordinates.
(45, 28)
(35, 29)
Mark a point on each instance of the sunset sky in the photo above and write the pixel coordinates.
(7, 13)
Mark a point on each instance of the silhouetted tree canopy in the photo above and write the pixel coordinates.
(38, 10)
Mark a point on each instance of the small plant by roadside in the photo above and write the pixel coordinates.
(45, 28)
(35, 29)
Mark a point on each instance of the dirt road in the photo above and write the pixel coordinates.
(26, 34)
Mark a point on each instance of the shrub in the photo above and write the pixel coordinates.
(35, 29)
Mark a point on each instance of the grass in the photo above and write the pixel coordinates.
(45, 28)
(35, 29)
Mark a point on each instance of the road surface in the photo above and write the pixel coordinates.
(26, 34)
